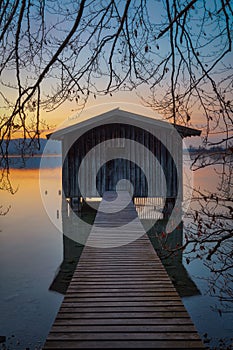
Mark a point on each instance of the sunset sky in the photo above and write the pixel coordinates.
(59, 23)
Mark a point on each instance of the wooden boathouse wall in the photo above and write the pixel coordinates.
(119, 137)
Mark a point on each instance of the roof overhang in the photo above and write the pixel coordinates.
(120, 116)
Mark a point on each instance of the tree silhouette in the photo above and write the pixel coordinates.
(175, 54)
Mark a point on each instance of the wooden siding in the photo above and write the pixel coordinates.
(118, 138)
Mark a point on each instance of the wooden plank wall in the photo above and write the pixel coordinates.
(121, 297)
(118, 136)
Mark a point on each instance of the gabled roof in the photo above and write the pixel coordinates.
(120, 116)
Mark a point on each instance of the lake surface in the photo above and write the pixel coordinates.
(31, 251)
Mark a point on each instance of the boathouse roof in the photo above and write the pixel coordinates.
(121, 116)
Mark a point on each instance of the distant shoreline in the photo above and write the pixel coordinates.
(34, 155)
(36, 161)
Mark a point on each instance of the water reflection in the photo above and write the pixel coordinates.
(72, 248)
(173, 263)
(32, 249)
(71, 255)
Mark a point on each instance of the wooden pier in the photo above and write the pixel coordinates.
(120, 295)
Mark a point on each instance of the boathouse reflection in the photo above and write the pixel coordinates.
(147, 210)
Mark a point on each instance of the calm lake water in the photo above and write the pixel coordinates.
(31, 251)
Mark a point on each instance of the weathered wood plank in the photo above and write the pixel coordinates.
(119, 344)
(126, 314)
(127, 302)
(122, 336)
(186, 321)
(121, 290)
(110, 298)
(122, 308)
(117, 293)
(121, 328)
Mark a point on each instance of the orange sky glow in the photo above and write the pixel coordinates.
(68, 113)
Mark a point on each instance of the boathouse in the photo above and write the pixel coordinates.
(101, 151)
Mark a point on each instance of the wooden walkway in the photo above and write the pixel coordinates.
(121, 297)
